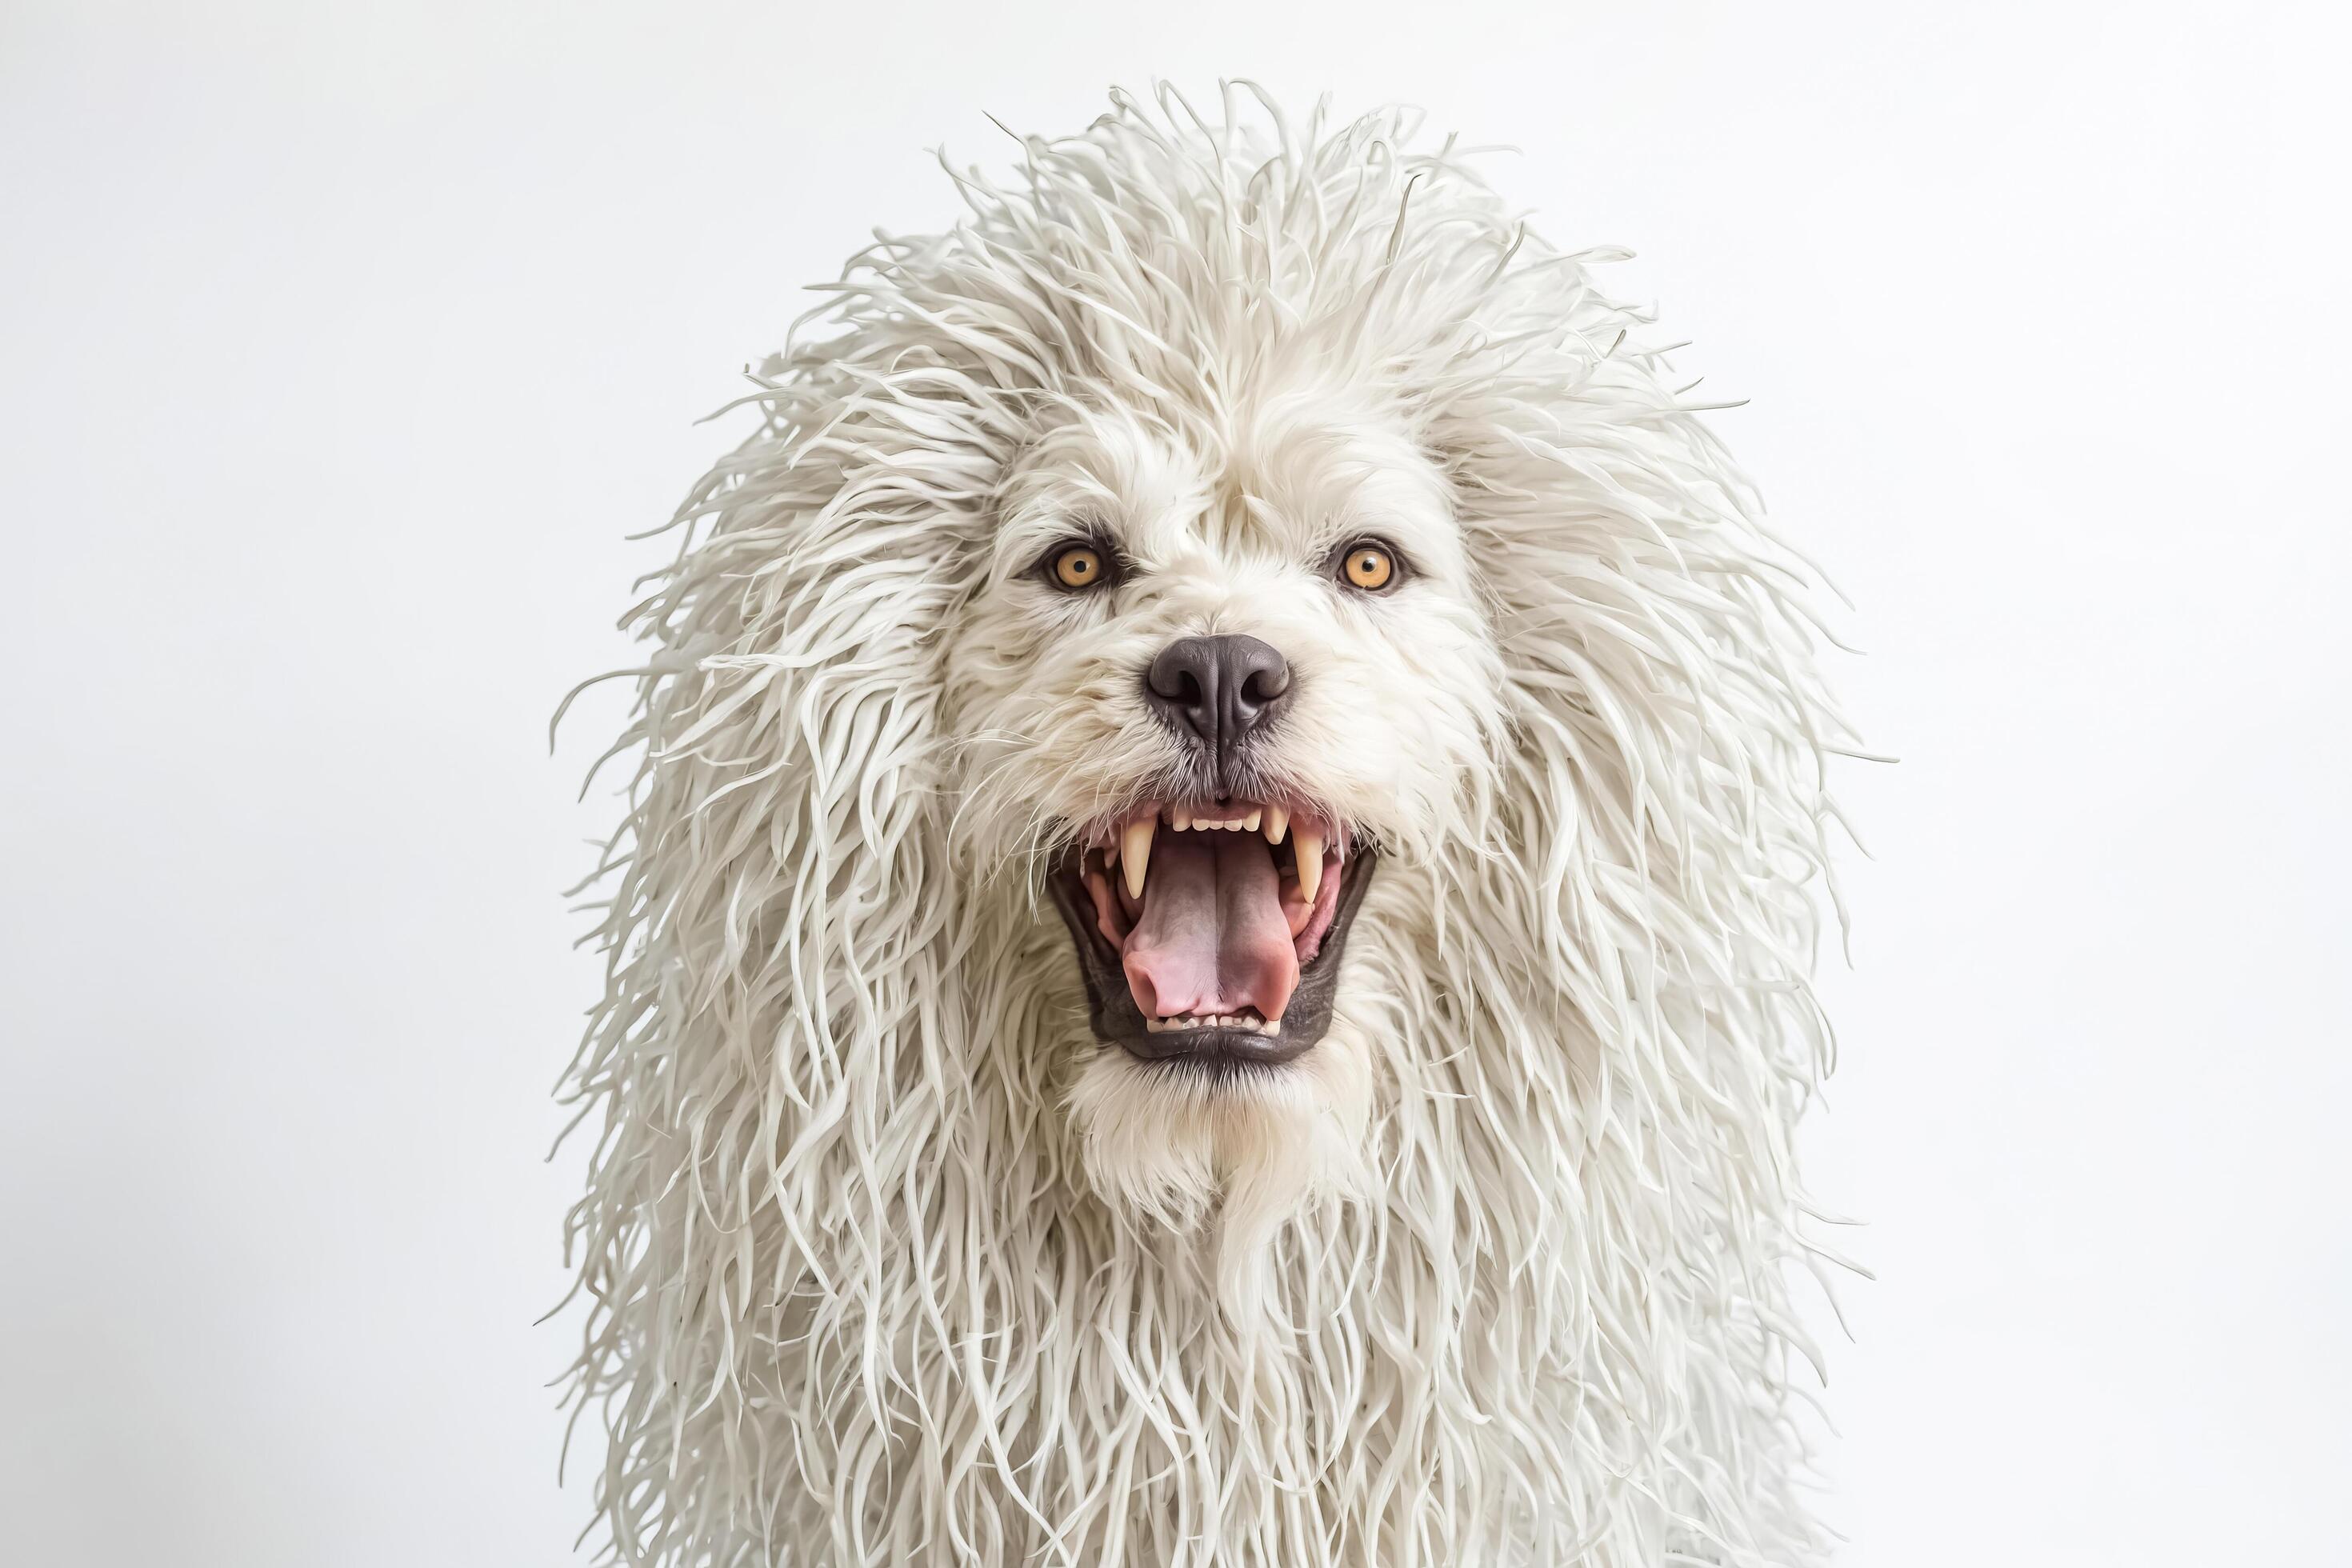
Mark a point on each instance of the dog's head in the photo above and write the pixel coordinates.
(1189, 547)
(1230, 684)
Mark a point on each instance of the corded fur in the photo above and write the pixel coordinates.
(885, 1260)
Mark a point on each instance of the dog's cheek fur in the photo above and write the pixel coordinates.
(1397, 717)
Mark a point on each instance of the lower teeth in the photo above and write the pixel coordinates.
(1212, 1021)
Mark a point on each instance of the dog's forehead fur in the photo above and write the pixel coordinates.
(1286, 480)
(888, 1259)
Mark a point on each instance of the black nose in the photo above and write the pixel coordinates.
(1219, 688)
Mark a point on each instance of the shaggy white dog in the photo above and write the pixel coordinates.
(1209, 962)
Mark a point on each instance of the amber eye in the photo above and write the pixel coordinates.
(1079, 566)
(1369, 566)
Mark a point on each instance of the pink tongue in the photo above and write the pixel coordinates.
(1210, 938)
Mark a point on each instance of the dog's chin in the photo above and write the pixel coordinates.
(1174, 1144)
(1210, 938)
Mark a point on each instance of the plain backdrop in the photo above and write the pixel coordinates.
(342, 346)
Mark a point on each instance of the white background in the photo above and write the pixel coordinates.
(343, 345)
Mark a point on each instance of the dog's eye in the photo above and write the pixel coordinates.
(1369, 565)
(1076, 566)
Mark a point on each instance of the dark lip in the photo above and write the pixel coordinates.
(1116, 1020)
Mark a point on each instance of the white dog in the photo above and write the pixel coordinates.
(1209, 962)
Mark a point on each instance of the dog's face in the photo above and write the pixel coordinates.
(1212, 675)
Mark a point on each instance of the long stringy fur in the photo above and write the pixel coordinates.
(858, 1293)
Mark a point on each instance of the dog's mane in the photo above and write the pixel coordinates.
(851, 1298)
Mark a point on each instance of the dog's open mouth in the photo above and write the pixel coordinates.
(1210, 932)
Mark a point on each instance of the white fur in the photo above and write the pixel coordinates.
(890, 1261)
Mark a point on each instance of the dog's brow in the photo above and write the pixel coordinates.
(1024, 537)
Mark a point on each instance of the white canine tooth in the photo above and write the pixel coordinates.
(1179, 819)
(1249, 822)
(1277, 823)
(1135, 852)
(1310, 862)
